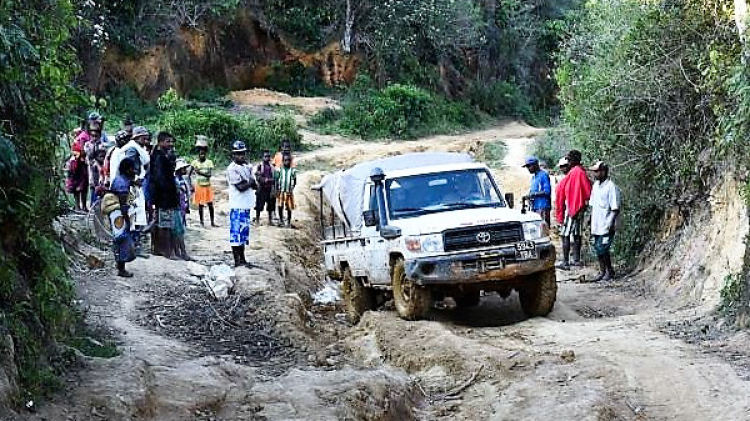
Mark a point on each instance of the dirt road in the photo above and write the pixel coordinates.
(267, 353)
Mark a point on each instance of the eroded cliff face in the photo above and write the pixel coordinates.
(237, 54)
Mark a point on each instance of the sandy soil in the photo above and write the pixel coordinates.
(602, 354)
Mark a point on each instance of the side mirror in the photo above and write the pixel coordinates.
(371, 218)
(510, 200)
(389, 232)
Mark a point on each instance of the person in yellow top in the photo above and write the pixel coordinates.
(203, 168)
(286, 149)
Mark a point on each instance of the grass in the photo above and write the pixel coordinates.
(494, 153)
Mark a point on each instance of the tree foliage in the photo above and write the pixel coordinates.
(37, 64)
(644, 86)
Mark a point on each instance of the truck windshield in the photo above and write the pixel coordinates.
(440, 192)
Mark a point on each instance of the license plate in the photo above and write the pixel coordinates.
(526, 250)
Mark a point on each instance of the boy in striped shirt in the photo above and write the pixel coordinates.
(286, 181)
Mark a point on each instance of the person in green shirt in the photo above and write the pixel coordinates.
(286, 181)
(203, 168)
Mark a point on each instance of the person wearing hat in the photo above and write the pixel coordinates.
(241, 201)
(128, 125)
(115, 155)
(575, 195)
(134, 149)
(168, 226)
(116, 205)
(95, 119)
(203, 167)
(605, 208)
(183, 187)
(540, 192)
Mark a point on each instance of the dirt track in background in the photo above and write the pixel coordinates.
(600, 355)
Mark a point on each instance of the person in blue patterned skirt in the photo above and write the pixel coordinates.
(241, 201)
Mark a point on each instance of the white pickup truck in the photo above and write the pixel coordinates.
(429, 225)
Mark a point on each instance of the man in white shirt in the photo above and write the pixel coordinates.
(135, 149)
(241, 201)
(605, 204)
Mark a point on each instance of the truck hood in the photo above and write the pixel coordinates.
(438, 222)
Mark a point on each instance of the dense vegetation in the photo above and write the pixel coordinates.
(36, 67)
(661, 91)
(396, 111)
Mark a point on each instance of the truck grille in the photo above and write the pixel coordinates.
(477, 237)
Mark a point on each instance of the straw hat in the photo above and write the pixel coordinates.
(180, 164)
(201, 141)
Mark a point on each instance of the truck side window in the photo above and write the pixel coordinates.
(373, 199)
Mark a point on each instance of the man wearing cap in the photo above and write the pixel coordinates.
(241, 201)
(540, 193)
(605, 208)
(136, 151)
(115, 156)
(575, 195)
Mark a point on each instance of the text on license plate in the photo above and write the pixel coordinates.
(526, 250)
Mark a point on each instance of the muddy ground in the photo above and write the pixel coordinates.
(267, 352)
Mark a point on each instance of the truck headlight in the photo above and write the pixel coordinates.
(535, 230)
(432, 243)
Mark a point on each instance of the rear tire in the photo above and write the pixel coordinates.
(412, 301)
(539, 293)
(467, 299)
(357, 297)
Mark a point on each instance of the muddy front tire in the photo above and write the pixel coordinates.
(357, 297)
(539, 293)
(412, 301)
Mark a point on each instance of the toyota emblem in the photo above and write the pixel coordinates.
(484, 237)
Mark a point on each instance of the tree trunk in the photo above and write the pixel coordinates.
(346, 43)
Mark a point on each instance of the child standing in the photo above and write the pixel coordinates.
(96, 174)
(183, 187)
(203, 167)
(286, 181)
(117, 204)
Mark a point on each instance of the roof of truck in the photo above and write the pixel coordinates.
(343, 190)
(431, 169)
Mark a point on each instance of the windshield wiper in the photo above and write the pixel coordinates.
(468, 205)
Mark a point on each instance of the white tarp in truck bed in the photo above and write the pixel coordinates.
(344, 190)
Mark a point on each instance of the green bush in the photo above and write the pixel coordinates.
(397, 111)
(500, 99)
(223, 128)
(170, 100)
(642, 85)
(124, 101)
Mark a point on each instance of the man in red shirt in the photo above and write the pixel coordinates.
(575, 195)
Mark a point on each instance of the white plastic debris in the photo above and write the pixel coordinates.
(197, 269)
(329, 294)
(221, 280)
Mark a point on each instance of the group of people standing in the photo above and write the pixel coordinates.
(146, 189)
(574, 194)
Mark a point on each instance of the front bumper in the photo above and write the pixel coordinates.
(498, 264)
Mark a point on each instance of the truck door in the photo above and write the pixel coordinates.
(376, 247)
